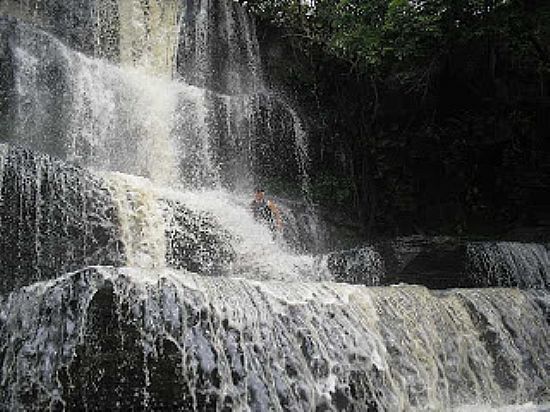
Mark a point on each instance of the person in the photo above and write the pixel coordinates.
(266, 211)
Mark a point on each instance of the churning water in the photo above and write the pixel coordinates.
(135, 277)
(223, 343)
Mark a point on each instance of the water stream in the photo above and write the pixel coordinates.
(247, 345)
(134, 275)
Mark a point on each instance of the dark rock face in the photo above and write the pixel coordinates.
(73, 21)
(442, 263)
(54, 218)
(460, 159)
(196, 243)
(108, 368)
(437, 263)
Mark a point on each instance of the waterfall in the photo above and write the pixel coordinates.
(219, 49)
(3, 152)
(73, 21)
(133, 274)
(149, 35)
(136, 33)
(141, 220)
(509, 264)
(99, 115)
(134, 119)
(359, 266)
(121, 118)
(57, 217)
(54, 218)
(239, 344)
(209, 232)
(257, 253)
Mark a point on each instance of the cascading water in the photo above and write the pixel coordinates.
(230, 344)
(218, 48)
(149, 35)
(509, 264)
(3, 152)
(141, 220)
(161, 224)
(100, 115)
(160, 116)
(125, 118)
(54, 218)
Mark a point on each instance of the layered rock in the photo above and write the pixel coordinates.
(107, 338)
(441, 263)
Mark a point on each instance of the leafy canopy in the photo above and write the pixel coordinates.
(400, 36)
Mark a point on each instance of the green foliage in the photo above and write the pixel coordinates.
(407, 36)
(424, 110)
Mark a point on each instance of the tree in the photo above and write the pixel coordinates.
(387, 74)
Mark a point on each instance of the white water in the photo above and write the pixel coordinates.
(145, 211)
(509, 264)
(141, 220)
(134, 119)
(3, 152)
(123, 119)
(259, 254)
(118, 118)
(526, 407)
(286, 343)
(279, 345)
(358, 266)
(149, 35)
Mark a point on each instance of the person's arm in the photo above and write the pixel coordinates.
(275, 210)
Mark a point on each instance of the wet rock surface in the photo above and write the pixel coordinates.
(442, 263)
(106, 338)
(54, 218)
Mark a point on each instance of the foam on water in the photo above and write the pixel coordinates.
(153, 337)
(141, 220)
(274, 345)
(259, 252)
(145, 212)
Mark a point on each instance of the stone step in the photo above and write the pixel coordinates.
(443, 263)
